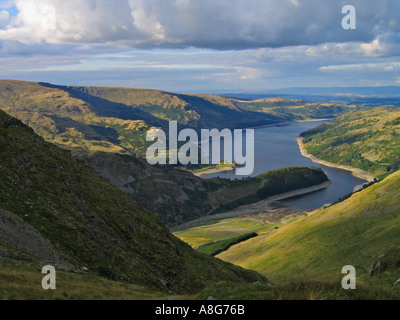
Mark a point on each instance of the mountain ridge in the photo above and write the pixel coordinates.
(116, 119)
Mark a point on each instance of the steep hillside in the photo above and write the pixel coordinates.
(112, 119)
(58, 210)
(368, 139)
(358, 231)
(178, 196)
(175, 195)
(116, 119)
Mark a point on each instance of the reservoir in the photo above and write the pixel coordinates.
(276, 147)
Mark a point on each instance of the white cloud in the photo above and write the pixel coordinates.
(4, 18)
(363, 67)
(260, 43)
(247, 73)
(147, 21)
(222, 24)
(295, 3)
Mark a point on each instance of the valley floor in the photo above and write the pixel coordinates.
(262, 207)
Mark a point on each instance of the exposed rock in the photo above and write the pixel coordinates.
(23, 242)
(375, 268)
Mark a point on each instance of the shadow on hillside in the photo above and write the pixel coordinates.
(109, 109)
(91, 132)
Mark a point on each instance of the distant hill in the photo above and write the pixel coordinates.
(57, 210)
(116, 120)
(349, 92)
(384, 91)
(368, 139)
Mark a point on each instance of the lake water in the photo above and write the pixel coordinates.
(276, 147)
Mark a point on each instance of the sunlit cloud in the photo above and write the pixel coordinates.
(187, 45)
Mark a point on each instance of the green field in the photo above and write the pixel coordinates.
(221, 230)
(215, 230)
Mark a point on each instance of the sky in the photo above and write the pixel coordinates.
(200, 45)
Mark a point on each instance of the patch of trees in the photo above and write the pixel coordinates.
(277, 182)
(217, 247)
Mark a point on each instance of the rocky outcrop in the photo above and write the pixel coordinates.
(20, 241)
(390, 261)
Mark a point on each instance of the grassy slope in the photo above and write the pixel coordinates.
(217, 247)
(354, 232)
(23, 282)
(92, 222)
(116, 119)
(219, 230)
(368, 139)
(264, 186)
(222, 229)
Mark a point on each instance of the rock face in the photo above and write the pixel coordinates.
(389, 262)
(175, 195)
(178, 196)
(54, 208)
(375, 268)
(20, 241)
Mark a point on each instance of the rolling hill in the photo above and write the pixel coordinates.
(116, 120)
(106, 127)
(367, 139)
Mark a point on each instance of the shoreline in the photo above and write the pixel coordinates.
(285, 123)
(315, 120)
(253, 208)
(212, 171)
(358, 173)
